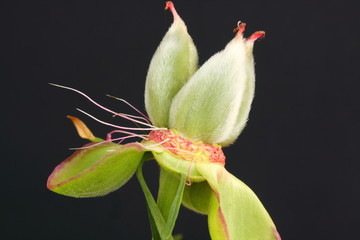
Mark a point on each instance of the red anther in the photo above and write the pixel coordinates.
(257, 35)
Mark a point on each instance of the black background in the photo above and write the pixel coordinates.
(298, 153)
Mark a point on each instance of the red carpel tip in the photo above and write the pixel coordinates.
(240, 28)
(170, 5)
(257, 35)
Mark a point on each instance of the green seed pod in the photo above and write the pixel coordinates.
(213, 106)
(95, 171)
(173, 63)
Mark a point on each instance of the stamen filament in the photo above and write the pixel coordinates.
(128, 115)
(127, 103)
(108, 136)
(100, 106)
(107, 141)
(116, 126)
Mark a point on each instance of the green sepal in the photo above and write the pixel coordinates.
(96, 140)
(197, 197)
(168, 184)
(235, 212)
(174, 164)
(95, 170)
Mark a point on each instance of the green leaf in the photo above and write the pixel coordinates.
(235, 212)
(170, 194)
(95, 170)
(154, 232)
(175, 206)
(152, 206)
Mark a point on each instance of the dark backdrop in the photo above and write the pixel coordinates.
(298, 153)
